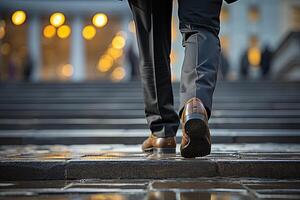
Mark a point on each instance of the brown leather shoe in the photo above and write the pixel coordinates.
(196, 141)
(155, 144)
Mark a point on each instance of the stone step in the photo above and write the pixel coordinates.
(129, 137)
(59, 162)
(100, 105)
(140, 123)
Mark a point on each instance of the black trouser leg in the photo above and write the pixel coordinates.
(153, 27)
(199, 25)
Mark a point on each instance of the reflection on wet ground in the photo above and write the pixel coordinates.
(133, 152)
(177, 189)
(119, 172)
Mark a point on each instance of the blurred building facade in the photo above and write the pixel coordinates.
(253, 26)
(58, 40)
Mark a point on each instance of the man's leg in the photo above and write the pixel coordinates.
(153, 27)
(199, 25)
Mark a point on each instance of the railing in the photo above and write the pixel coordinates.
(286, 59)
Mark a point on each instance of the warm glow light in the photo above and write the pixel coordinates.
(115, 53)
(118, 42)
(224, 15)
(253, 14)
(105, 63)
(67, 70)
(106, 196)
(118, 74)
(174, 29)
(100, 20)
(173, 57)
(173, 77)
(89, 32)
(2, 29)
(2, 32)
(224, 43)
(49, 31)
(131, 26)
(254, 56)
(57, 19)
(5, 49)
(64, 31)
(18, 17)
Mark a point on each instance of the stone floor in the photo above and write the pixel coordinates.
(121, 172)
(180, 189)
(52, 162)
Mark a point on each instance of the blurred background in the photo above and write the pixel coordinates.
(70, 40)
(70, 64)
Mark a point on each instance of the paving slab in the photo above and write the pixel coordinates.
(40, 162)
(148, 189)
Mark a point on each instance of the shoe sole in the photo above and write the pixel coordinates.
(160, 150)
(198, 131)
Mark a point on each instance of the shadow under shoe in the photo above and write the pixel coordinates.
(159, 145)
(196, 140)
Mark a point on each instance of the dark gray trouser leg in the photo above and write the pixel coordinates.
(200, 67)
(153, 27)
(199, 25)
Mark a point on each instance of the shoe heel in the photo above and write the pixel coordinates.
(195, 124)
(197, 129)
(164, 150)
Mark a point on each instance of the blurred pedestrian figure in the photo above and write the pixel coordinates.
(266, 59)
(244, 65)
(27, 68)
(199, 25)
(12, 68)
(224, 66)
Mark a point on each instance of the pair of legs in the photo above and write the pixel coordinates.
(199, 25)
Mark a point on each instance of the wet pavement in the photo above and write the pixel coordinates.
(179, 189)
(123, 172)
(61, 162)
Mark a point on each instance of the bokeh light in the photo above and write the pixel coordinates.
(253, 14)
(254, 56)
(118, 42)
(2, 32)
(131, 26)
(115, 53)
(224, 15)
(173, 77)
(100, 20)
(57, 19)
(18, 17)
(173, 57)
(63, 31)
(5, 49)
(118, 74)
(105, 63)
(67, 70)
(89, 32)
(49, 31)
(2, 29)
(174, 29)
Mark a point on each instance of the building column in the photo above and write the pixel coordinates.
(34, 46)
(77, 49)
